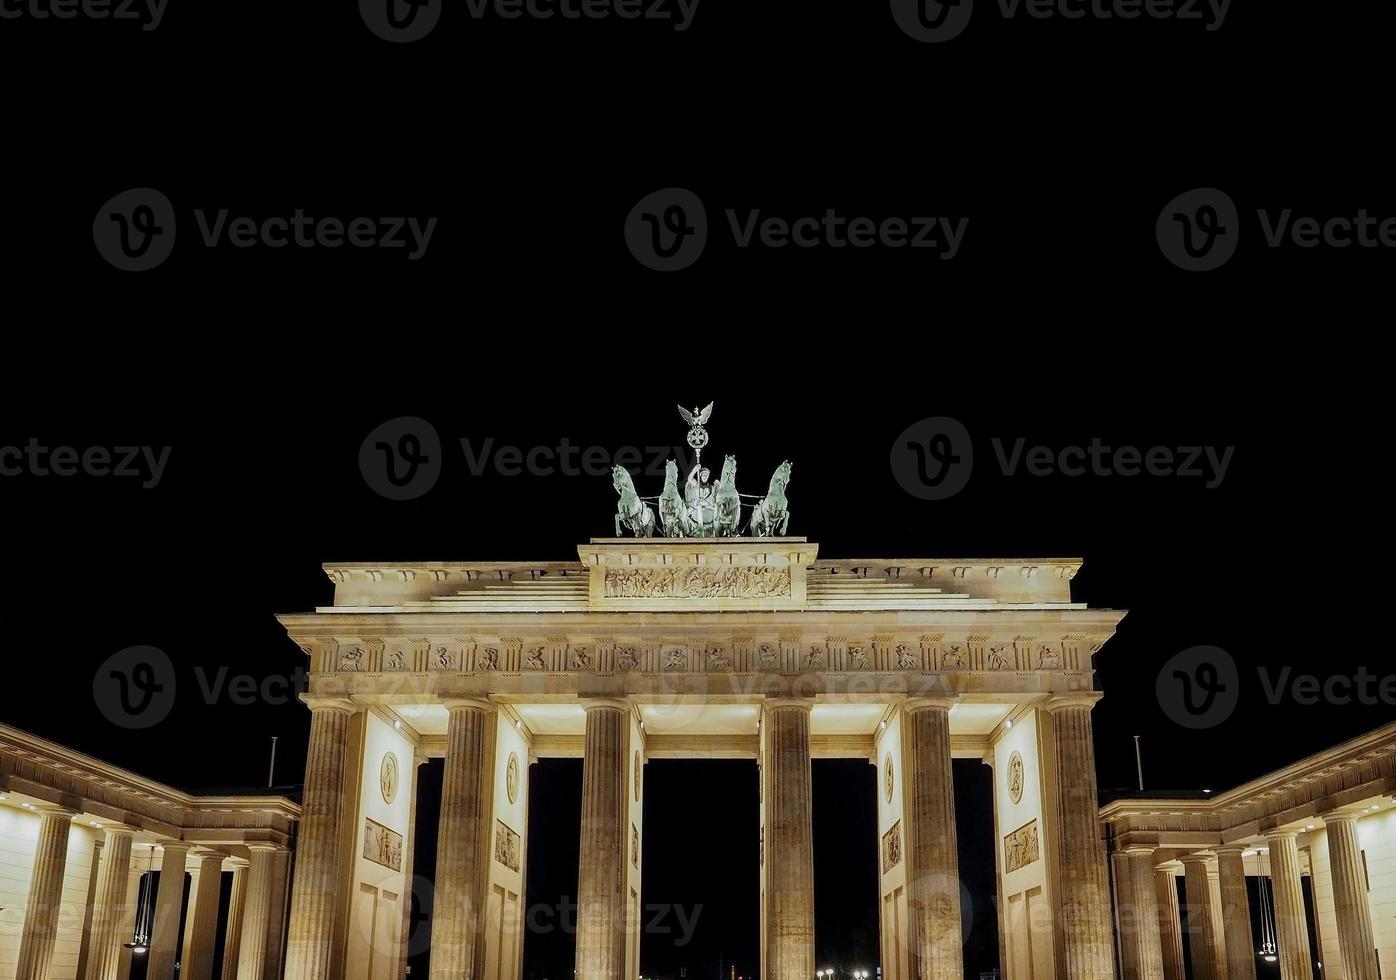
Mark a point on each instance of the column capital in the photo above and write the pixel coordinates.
(1080, 699)
(1169, 868)
(779, 703)
(1233, 849)
(54, 810)
(1282, 835)
(118, 829)
(1196, 858)
(318, 702)
(936, 703)
(1339, 816)
(1138, 850)
(470, 704)
(262, 847)
(612, 704)
(239, 863)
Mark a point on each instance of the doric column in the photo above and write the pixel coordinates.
(462, 862)
(201, 926)
(1138, 922)
(933, 864)
(232, 935)
(90, 906)
(169, 908)
(253, 953)
(1291, 921)
(1350, 903)
(1236, 914)
(321, 847)
(276, 915)
(1170, 927)
(1203, 941)
(104, 944)
(601, 884)
(408, 873)
(1084, 899)
(789, 840)
(45, 894)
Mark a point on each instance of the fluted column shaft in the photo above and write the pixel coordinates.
(201, 929)
(933, 863)
(1084, 900)
(1350, 903)
(1140, 955)
(462, 862)
(253, 961)
(45, 895)
(94, 882)
(1291, 922)
(601, 886)
(789, 841)
(169, 908)
(321, 847)
(1204, 942)
(104, 944)
(232, 934)
(1236, 914)
(1170, 927)
(408, 870)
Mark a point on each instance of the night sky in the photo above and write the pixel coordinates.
(263, 485)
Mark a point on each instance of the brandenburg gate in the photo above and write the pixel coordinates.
(697, 644)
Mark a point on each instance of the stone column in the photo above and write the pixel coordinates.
(1141, 956)
(1170, 928)
(104, 947)
(169, 909)
(1291, 921)
(462, 861)
(257, 926)
(1350, 903)
(408, 874)
(1203, 941)
(321, 846)
(45, 894)
(90, 906)
(789, 840)
(1236, 914)
(1084, 899)
(201, 929)
(232, 935)
(932, 861)
(276, 915)
(601, 885)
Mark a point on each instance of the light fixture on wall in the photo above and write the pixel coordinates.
(145, 908)
(1267, 914)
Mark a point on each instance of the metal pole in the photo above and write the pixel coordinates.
(1139, 763)
(271, 770)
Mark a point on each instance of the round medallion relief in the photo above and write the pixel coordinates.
(890, 778)
(1015, 778)
(388, 777)
(511, 778)
(635, 781)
